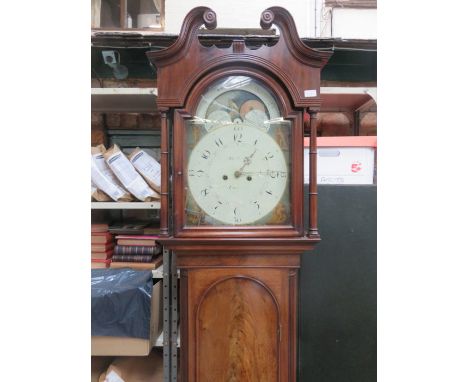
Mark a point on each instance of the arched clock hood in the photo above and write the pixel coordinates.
(188, 61)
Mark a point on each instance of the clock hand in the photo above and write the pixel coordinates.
(247, 160)
(272, 173)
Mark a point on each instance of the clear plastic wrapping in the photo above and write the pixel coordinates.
(121, 302)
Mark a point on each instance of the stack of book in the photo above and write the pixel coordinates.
(137, 252)
(102, 246)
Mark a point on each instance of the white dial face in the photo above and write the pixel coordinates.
(237, 173)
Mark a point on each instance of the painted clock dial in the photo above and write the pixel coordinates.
(237, 157)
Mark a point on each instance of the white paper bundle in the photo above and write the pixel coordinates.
(104, 179)
(126, 173)
(148, 167)
(98, 195)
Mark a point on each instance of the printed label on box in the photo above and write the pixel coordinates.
(342, 165)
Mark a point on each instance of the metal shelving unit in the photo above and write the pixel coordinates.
(143, 100)
(170, 336)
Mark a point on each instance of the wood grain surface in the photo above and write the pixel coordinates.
(238, 333)
(238, 324)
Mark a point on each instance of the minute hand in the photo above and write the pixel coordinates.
(273, 174)
(247, 160)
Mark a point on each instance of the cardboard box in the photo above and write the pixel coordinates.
(343, 160)
(127, 346)
(98, 366)
(136, 369)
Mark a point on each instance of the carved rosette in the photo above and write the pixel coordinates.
(266, 19)
(209, 18)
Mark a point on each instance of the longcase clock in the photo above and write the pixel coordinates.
(233, 123)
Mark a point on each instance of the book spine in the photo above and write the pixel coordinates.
(135, 250)
(132, 258)
(101, 247)
(127, 242)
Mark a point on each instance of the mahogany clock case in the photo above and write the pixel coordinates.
(239, 283)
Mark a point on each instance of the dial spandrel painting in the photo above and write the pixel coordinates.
(237, 157)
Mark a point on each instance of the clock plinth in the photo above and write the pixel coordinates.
(236, 119)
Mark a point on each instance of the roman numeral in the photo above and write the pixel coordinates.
(219, 142)
(268, 156)
(269, 192)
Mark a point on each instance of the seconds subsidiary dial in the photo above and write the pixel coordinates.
(237, 173)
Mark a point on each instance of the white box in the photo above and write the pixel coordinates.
(343, 160)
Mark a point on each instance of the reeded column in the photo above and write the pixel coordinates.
(313, 231)
(164, 213)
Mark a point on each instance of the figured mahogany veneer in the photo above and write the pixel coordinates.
(238, 284)
(238, 320)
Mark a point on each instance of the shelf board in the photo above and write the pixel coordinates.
(143, 100)
(124, 91)
(124, 100)
(125, 205)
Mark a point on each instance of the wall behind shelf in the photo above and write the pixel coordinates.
(338, 289)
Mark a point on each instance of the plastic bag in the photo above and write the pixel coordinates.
(121, 302)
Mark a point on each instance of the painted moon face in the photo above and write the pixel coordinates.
(257, 117)
(251, 105)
